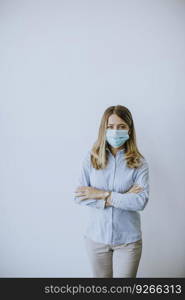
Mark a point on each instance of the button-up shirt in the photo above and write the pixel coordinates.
(119, 223)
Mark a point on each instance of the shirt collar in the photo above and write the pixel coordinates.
(119, 151)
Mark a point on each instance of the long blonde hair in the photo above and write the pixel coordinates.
(99, 153)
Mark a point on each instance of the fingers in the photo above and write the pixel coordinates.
(135, 189)
(83, 198)
(80, 194)
(82, 189)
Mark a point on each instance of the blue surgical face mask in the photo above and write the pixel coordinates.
(116, 138)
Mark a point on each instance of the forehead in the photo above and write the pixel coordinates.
(114, 119)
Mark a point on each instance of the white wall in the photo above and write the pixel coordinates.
(62, 63)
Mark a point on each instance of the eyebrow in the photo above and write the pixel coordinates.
(118, 124)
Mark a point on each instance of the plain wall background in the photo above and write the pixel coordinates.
(62, 63)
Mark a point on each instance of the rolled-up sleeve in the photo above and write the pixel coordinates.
(84, 180)
(133, 201)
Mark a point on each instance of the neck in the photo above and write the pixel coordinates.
(115, 150)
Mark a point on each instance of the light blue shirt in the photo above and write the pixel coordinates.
(119, 223)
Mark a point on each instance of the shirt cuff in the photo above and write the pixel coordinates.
(100, 204)
(121, 200)
(129, 201)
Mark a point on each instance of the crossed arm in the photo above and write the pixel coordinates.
(86, 192)
(134, 199)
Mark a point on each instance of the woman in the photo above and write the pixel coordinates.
(114, 184)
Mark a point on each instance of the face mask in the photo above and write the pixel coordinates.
(116, 138)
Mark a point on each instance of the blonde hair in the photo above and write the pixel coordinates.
(99, 153)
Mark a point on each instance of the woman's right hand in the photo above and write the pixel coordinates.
(135, 189)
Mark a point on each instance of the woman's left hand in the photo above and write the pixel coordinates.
(88, 192)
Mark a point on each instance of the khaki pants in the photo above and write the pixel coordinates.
(117, 261)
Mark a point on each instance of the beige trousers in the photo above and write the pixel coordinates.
(117, 261)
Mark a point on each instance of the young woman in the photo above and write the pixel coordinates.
(114, 184)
